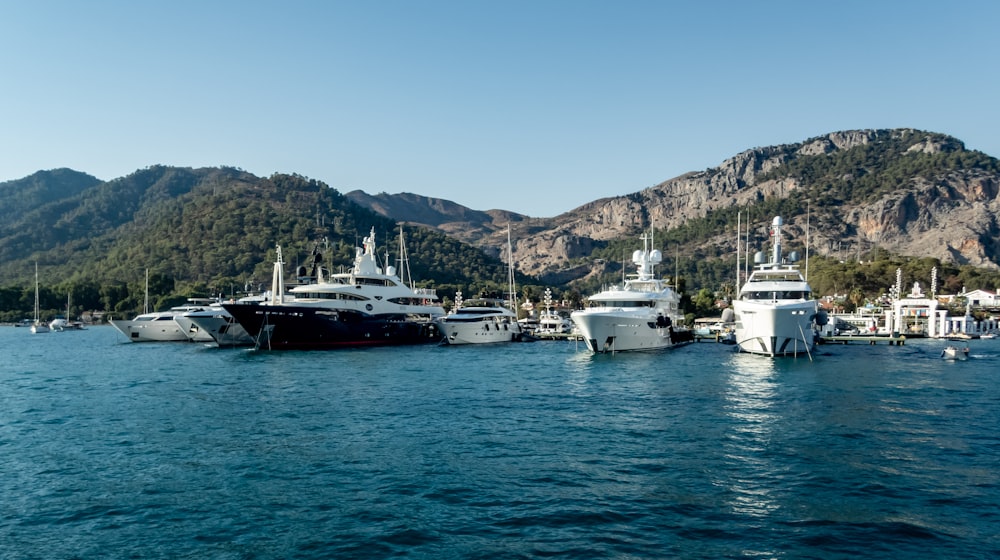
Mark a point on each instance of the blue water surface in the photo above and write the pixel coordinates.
(111, 449)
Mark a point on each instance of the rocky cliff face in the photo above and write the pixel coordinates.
(952, 217)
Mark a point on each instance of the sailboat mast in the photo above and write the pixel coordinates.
(739, 225)
(36, 292)
(746, 260)
(510, 273)
(404, 262)
(807, 241)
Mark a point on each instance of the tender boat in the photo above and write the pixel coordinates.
(363, 307)
(775, 312)
(642, 314)
(955, 353)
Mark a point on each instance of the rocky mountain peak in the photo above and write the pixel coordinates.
(950, 216)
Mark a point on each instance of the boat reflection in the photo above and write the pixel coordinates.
(750, 396)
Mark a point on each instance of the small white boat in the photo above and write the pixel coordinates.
(553, 322)
(955, 353)
(62, 323)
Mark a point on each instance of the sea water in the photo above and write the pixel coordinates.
(112, 449)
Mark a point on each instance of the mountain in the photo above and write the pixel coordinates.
(202, 231)
(865, 194)
(906, 191)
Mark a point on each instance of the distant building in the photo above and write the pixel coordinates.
(981, 298)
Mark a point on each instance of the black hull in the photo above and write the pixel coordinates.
(286, 327)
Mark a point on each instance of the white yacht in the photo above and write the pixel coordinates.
(485, 320)
(774, 311)
(551, 321)
(160, 326)
(481, 321)
(642, 314)
(63, 323)
(218, 325)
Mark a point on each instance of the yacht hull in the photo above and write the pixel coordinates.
(479, 333)
(151, 331)
(612, 332)
(284, 327)
(223, 329)
(775, 328)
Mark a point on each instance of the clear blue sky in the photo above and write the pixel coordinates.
(533, 106)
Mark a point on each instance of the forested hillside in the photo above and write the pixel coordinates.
(871, 201)
(200, 232)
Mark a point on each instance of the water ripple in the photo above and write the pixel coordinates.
(525, 451)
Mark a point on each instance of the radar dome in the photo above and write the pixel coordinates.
(758, 257)
(655, 256)
(777, 221)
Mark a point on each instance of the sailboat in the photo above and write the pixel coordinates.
(38, 326)
(62, 322)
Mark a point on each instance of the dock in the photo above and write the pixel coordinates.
(871, 340)
(556, 336)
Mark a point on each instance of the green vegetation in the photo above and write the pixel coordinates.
(199, 233)
(213, 231)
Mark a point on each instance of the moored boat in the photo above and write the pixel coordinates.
(774, 311)
(485, 320)
(642, 314)
(62, 323)
(159, 326)
(364, 307)
(218, 324)
(480, 321)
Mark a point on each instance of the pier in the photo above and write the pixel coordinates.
(872, 340)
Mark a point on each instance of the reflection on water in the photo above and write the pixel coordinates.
(749, 396)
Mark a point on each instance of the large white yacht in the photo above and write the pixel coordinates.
(642, 314)
(775, 312)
